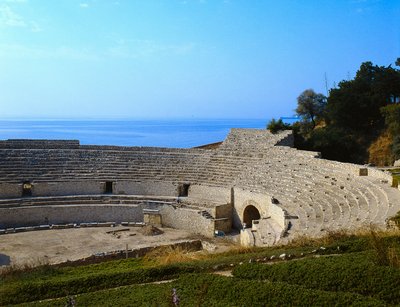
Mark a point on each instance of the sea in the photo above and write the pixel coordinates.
(178, 133)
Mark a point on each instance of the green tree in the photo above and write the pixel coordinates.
(310, 106)
(356, 103)
(275, 126)
(392, 121)
(353, 117)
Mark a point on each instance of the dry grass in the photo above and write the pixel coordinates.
(385, 254)
(168, 254)
(239, 249)
(334, 236)
(32, 265)
(327, 239)
(380, 152)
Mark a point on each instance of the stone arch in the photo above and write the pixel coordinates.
(250, 213)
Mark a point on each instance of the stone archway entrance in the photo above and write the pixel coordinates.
(250, 213)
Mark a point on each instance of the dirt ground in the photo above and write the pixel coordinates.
(55, 246)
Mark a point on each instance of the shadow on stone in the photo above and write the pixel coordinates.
(4, 259)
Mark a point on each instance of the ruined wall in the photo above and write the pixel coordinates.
(28, 143)
(223, 211)
(67, 188)
(10, 190)
(187, 219)
(278, 215)
(215, 194)
(158, 188)
(223, 217)
(244, 198)
(57, 188)
(88, 187)
(37, 215)
(247, 237)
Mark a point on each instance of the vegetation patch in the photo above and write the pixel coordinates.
(212, 290)
(356, 273)
(105, 282)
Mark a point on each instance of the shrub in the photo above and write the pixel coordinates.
(275, 126)
(353, 273)
(212, 290)
(384, 253)
(29, 291)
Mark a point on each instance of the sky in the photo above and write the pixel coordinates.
(165, 59)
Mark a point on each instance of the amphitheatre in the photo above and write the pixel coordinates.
(254, 184)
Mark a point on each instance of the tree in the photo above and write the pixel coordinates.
(392, 121)
(275, 126)
(310, 106)
(356, 103)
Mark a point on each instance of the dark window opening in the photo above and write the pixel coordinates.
(109, 187)
(26, 189)
(250, 214)
(183, 190)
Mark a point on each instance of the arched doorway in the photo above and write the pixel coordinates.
(250, 213)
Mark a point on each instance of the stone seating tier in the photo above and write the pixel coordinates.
(324, 195)
(362, 198)
(86, 199)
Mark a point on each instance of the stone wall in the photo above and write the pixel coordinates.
(223, 211)
(355, 170)
(223, 217)
(10, 190)
(27, 143)
(244, 198)
(87, 187)
(287, 139)
(158, 188)
(278, 215)
(214, 194)
(37, 215)
(60, 188)
(247, 237)
(187, 219)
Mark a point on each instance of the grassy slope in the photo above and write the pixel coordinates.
(99, 283)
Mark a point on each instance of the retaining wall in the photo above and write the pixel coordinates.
(62, 214)
(187, 219)
(214, 194)
(159, 188)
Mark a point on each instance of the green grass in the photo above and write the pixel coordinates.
(211, 290)
(356, 273)
(102, 282)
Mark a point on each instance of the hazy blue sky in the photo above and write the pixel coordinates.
(176, 58)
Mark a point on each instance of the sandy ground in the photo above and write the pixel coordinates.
(55, 246)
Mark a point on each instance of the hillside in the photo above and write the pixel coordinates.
(359, 121)
(338, 269)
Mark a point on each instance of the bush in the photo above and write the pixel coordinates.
(352, 273)
(42, 289)
(275, 126)
(212, 290)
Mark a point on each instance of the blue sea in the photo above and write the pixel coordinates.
(179, 133)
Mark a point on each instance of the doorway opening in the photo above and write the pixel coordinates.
(108, 188)
(183, 190)
(27, 189)
(250, 214)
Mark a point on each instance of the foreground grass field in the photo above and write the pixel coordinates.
(337, 270)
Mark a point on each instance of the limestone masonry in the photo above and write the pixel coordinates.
(254, 182)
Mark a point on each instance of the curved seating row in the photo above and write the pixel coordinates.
(324, 195)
